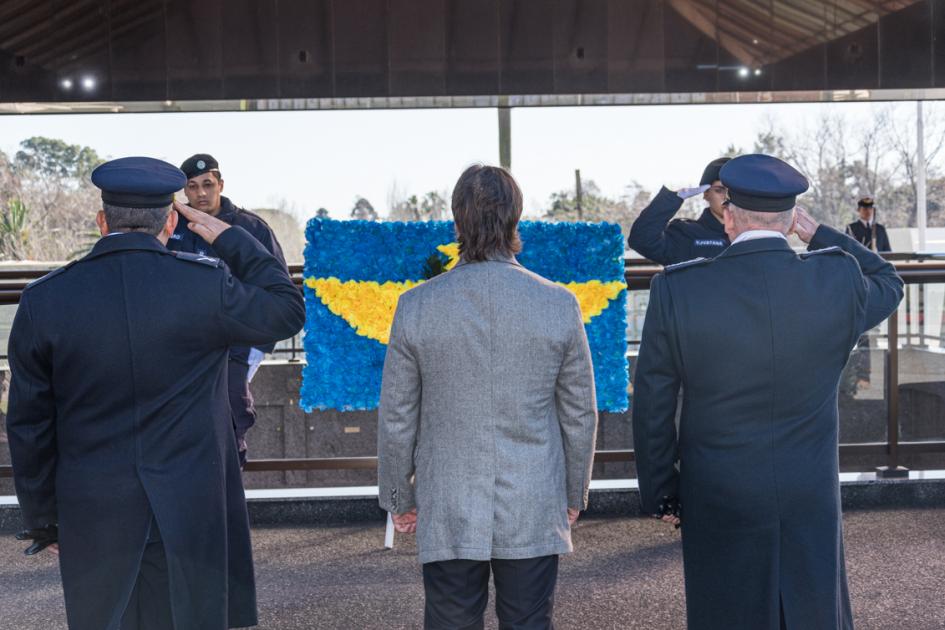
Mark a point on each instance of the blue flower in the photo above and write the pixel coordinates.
(344, 369)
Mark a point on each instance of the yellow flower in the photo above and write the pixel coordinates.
(369, 306)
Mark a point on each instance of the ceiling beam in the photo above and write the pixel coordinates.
(694, 14)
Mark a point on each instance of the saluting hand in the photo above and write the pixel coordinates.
(804, 224)
(200, 223)
(686, 193)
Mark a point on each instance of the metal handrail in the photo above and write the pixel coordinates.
(916, 270)
(600, 457)
(638, 276)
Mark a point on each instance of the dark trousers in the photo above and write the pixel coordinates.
(150, 605)
(457, 592)
(241, 404)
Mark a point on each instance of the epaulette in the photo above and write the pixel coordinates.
(834, 249)
(685, 264)
(51, 274)
(210, 261)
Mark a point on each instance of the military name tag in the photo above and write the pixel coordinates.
(709, 243)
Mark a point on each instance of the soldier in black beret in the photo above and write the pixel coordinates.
(757, 338)
(866, 230)
(119, 424)
(665, 241)
(204, 192)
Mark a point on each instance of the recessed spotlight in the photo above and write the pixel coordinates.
(66, 84)
(88, 83)
(757, 72)
(743, 72)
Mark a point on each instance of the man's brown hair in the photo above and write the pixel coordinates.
(487, 206)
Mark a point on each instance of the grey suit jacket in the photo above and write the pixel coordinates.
(488, 416)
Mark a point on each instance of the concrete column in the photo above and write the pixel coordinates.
(505, 133)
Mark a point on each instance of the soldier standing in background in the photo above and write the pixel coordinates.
(204, 192)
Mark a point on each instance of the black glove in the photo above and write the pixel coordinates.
(42, 537)
(669, 506)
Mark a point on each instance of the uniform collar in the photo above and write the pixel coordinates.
(708, 220)
(127, 241)
(226, 207)
(493, 258)
(751, 235)
(751, 246)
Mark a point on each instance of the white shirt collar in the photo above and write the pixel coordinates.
(751, 235)
(866, 223)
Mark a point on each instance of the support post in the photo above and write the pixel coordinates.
(892, 469)
(578, 194)
(505, 133)
(920, 176)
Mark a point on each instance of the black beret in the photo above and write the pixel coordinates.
(762, 183)
(711, 172)
(199, 164)
(138, 182)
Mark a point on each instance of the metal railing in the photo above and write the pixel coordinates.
(915, 270)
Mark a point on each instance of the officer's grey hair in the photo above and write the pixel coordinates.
(751, 220)
(148, 220)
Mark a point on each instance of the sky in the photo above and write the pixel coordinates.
(303, 160)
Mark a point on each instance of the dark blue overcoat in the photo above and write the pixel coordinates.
(757, 339)
(659, 237)
(118, 411)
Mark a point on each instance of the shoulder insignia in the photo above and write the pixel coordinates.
(685, 264)
(210, 261)
(51, 274)
(834, 249)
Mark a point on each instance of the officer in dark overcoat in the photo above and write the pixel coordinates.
(204, 191)
(756, 338)
(119, 423)
(659, 237)
(866, 230)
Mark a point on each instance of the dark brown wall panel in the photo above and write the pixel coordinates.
(138, 50)
(806, 70)
(580, 38)
(691, 57)
(472, 44)
(22, 78)
(853, 60)
(526, 40)
(417, 47)
(360, 38)
(195, 49)
(938, 42)
(905, 48)
(635, 61)
(152, 50)
(250, 48)
(305, 49)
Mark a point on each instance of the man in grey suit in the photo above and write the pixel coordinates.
(757, 481)
(487, 420)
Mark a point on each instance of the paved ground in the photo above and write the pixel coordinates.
(626, 574)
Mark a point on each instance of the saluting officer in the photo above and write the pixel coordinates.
(119, 423)
(754, 466)
(204, 192)
(866, 230)
(682, 239)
